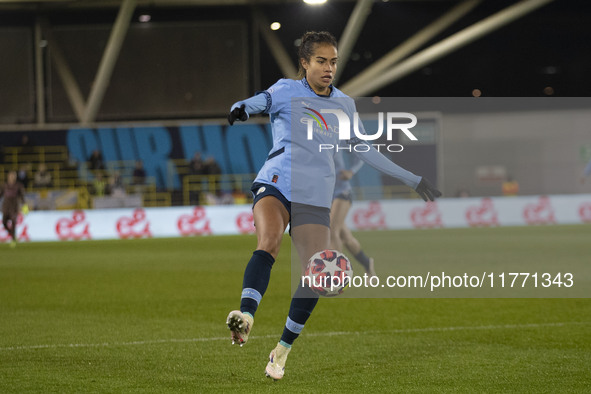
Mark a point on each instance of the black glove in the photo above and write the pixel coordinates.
(237, 113)
(427, 191)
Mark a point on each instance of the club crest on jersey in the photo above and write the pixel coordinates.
(275, 178)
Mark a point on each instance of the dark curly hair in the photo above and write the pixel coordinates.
(307, 46)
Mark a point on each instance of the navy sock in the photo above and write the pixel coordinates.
(363, 259)
(256, 280)
(302, 304)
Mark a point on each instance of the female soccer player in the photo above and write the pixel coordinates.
(13, 192)
(340, 234)
(297, 191)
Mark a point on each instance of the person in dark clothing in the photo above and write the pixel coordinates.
(196, 165)
(22, 175)
(211, 167)
(13, 193)
(96, 162)
(139, 173)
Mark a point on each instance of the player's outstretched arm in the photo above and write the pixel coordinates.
(381, 163)
(243, 109)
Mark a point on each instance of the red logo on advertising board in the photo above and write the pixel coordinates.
(370, 218)
(426, 216)
(134, 227)
(195, 224)
(22, 233)
(540, 212)
(245, 223)
(482, 215)
(585, 212)
(74, 228)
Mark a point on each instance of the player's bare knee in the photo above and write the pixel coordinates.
(270, 244)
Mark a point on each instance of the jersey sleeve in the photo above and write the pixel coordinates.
(254, 105)
(268, 101)
(279, 96)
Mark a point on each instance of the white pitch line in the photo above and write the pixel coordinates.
(314, 334)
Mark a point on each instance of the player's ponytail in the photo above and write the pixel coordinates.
(308, 45)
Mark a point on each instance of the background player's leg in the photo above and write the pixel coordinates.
(353, 245)
(338, 213)
(5, 220)
(14, 223)
(9, 222)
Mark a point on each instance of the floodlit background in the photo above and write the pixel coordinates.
(132, 292)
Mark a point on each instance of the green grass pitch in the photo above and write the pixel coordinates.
(147, 316)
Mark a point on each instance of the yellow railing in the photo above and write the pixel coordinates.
(84, 198)
(157, 199)
(182, 166)
(195, 186)
(67, 198)
(60, 178)
(15, 155)
(383, 192)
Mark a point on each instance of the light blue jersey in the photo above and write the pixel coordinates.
(296, 166)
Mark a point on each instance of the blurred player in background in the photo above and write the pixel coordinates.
(340, 234)
(586, 172)
(13, 193)
(273, 208)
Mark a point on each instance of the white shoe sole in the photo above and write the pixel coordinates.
(235, 323)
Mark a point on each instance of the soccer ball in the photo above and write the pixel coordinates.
(328, 273)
